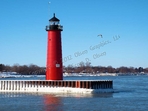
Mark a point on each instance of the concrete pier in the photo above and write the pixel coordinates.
(60, 86)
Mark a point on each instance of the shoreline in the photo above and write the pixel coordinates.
(14, 75)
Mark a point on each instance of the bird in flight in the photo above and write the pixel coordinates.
(100, 35)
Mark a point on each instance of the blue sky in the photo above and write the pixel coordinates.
(122, 23)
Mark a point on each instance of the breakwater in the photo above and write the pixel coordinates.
(60, 86)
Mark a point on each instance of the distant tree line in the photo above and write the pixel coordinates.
(80, 68)
(23, 69)
(88, 68)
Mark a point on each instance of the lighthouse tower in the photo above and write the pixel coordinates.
(54, 67)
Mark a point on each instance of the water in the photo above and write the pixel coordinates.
(131, 93)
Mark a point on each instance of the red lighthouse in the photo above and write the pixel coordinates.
(54, 67)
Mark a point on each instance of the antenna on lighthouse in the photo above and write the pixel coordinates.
(49, 8)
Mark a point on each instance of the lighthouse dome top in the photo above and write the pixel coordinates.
(54, 18)
(54, 24)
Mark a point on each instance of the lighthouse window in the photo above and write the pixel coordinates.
(57, 65)
(54, 23)
(51, 23)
